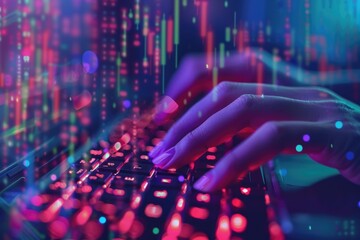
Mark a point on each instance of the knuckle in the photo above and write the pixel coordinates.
(245, 101)
(223, 88)
(273, 130)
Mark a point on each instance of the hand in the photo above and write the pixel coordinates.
(194, 77)
(314, 121)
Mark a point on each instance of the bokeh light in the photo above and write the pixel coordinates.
(339, 124)
(306, 138)
(90, 62)
(299, 148)
(102, 220)
(350, 155)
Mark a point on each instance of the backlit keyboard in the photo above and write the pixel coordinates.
(115, 192)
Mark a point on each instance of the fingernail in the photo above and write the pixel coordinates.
(156, 150)
(165, 157)
(167, 105)
(203, 183)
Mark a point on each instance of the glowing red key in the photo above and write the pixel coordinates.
(180, 204)
(212, 149)
(126, 221)
(153, 211)
(238, 223)
(144, 185)
(223, 229)
(119, 192)
(117, 146)
(174, 227)
(135, 203)
(245, 191)
(166, 180)
(95, 152)
(211, 157)
(51, 212)
(83, 215)
(237, 203)
(160, 194)
(36, 200)
(201, 197)
(125, 139)
(55, 206)
(106, 156)
(199, 213)
(267, 199)
(275, 231)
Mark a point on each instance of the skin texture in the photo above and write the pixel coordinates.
(280, 117)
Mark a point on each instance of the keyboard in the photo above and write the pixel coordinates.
(115, 192)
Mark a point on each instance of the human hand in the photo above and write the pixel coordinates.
(314, 121)
(194, 76)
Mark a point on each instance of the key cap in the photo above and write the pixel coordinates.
(138, 168)
(99, 177)
(125, 179)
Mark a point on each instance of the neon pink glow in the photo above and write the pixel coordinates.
(223, 229)
(238, 223)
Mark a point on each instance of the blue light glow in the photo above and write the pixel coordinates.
(102, 220)
(339, 124)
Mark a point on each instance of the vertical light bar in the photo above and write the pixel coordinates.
(176, 29)
(118, 70)
(163, 51)
(170, 36)
(203, 18)
(137, 14)
(222, 55)
(209, 49)
(163, 41)
(227, 34)
(274, 66)
(124, 37)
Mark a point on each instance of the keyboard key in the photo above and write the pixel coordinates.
(167, 181)
(125, 179)
(136, 168)
(99, 177)
(111, 165)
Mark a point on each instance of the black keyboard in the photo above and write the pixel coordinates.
(115, 192)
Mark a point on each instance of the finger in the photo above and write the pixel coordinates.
(194, 77)
(221, 96)
(269, 140)
(246, 111)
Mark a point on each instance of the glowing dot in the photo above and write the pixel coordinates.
(90, 62)
(156, 231)
(339, 124)
(207, 66)
(310, 227)
(350, 155)
(70, 159)
(299, 148)
(53, 177)
(102, 220)
(26, 163)
(306, 138)
(181, 178)
(359, 204)
(126, 103)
